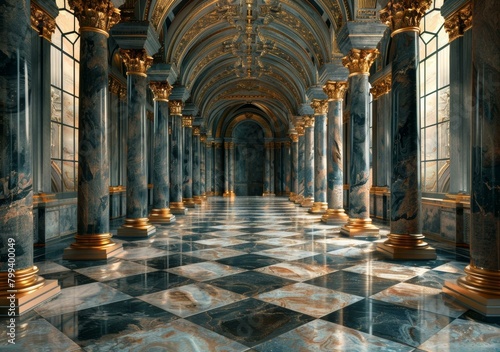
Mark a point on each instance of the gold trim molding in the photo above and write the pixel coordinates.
(161, 90)
(136, 61)
(42, 22)
(335, 90)
(359, 61)
(404, 15)
(458, 22)
(95, 15)
(320, 107)
(381, 87)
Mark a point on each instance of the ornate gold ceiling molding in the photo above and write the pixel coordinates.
(381, 86)
(404, 15)
(459, 22)
(42, 22)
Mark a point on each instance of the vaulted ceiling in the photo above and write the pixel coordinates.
(246, 57)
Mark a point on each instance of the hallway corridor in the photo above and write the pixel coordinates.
(251, 274)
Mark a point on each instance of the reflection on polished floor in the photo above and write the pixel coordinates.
(252, 274)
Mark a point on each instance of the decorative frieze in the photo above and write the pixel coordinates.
(359, 61)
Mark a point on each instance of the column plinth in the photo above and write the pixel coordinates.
(335, 217)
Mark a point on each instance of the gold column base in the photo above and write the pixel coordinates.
(335, 217)
(189, 202)
(25, 292)
(292, 197)
(199, 199)
(178, 208)
(229, 194)
(359, 228)
(268, 194)
(298, 199)
(209, 194)
(407, 247)
(318, 208)
(161, 216)
(307, 202)
(139, 227)
(478, 290)
(92, 247)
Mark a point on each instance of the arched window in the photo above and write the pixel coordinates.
(434, 100)
(65, 56)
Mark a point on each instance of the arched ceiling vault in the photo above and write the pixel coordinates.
(247, 56)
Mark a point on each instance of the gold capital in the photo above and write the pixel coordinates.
(136, 61)
(114, 85)
(459, 22)
(404, 15)
(161, 90)
(335, 90)
(309, 121)
(95, 15)
(319, 106)
(203, 137)
(300, 130)
(359, 61)
(381, 87)
(123, 93)
(294, 137)
(42, 22)
(187, 121)
(175, 107)
(196, 131)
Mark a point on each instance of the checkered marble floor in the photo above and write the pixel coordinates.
(252, 274)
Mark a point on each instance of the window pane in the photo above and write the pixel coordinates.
(55, 143)
(444, 104)
(444, 141)
(68, 176)
(430, 180)
(430, 74)
(431, 143)
(430, 110)
(68, 143)
(68, 106)
(68, 74)
(444, 67)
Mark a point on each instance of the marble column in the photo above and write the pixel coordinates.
(197, 198)
(278, 165)
(136, 223)
(229, 180)
(218, 173)
(480, 288)
(161, 166)
(320, 108)
(359, 224)
(209, 165)
(287, 168)
(20, 287)
(301, 144)
(272, 170)
(335, 139)
(294, 171)
(267, 169)
(308, 200)
(176, 161)
(187, 163)
(203, 167)
(405, 240)
(93, 238)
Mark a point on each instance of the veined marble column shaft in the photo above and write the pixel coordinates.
(229, 168)
(278, 169)
(19, 282)
(405, 240)
(308, 200)
(93, 238)
(136, 223)
(267, 169)
(187, 163)
(294, 166)
(161, 159)
(203, 167)
(480, 288)
(320, 108)
(358, 62)
(334, 163)
(301, 145)
(197, 197)
(209, 167)
(176, 161)
(218, 181)
(287, 168)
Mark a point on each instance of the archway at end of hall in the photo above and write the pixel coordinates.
(248, 138)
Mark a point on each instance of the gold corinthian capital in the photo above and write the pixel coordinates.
(359, 61)
(319, 106)
(404, 15)
(175, 107)
(161, 90)
(335, 90)
(95, 15)
(137, 61)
